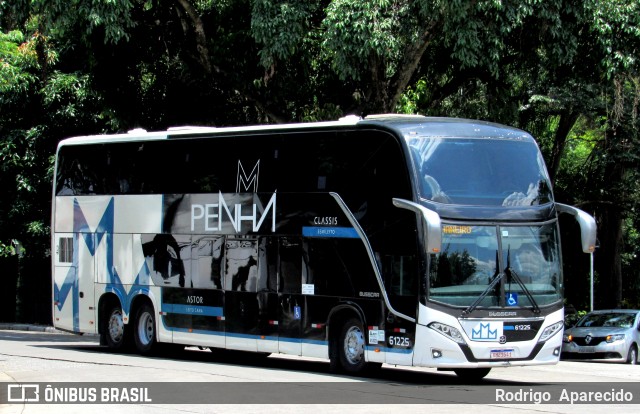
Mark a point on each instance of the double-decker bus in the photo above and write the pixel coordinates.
(404, 240)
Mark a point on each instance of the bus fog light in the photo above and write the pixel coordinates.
(556, 352)
(436, 353)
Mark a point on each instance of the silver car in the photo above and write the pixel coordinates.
(612, 335)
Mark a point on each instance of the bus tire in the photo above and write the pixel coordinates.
(350, 347)
(472, 374)
(116, 334)
(144, 329)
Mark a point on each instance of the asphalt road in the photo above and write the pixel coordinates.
(222, 382)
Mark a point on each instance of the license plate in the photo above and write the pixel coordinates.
(501, 353)
(586, 349)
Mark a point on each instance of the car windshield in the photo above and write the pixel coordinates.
(480, 171)
(613, 319)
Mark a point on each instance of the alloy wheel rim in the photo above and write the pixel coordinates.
(354, 345)
(116, 326)
(146, 328)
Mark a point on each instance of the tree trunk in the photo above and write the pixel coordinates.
(610, 220)
(607, 258)
(201, 37)
(567, 120)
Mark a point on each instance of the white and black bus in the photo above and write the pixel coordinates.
(393, 239)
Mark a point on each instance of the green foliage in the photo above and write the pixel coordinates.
(113, 18)
(281, 27)
(357, 32)
(565, 70)
(17, 61)
(616, 29)
(8, 250)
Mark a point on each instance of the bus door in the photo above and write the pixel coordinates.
(402, 290)
(268, 301)
(291, 302)
(74, 283)
(201, 298)
(241, 306)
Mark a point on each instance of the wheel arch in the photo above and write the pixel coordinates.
(107, 300)
(338, 315)
(139, 300)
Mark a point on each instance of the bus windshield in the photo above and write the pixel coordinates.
(480, 171)
(526, 259)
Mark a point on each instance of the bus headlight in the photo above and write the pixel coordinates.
(448, 331)
(551, 330)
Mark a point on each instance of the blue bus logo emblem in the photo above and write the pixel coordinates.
(484, 332)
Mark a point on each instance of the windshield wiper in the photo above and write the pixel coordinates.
(496, 278)
(510, 273)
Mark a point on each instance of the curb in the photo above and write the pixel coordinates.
(28, 327)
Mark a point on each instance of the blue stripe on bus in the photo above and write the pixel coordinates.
(196, 310)
(509, 328)
(334, 232)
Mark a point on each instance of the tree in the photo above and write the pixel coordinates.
(566, 70)
(580, 64)
(610, 41)
(39, 104)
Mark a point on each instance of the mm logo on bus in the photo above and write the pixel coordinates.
(247, 183)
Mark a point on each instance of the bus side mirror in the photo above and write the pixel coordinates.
(587, 226)
(433, 228)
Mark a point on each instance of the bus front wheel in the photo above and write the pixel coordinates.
(144, 332)
(348, 353)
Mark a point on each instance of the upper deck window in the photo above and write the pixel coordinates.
(480, 171)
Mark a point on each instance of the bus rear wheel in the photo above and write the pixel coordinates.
(144, 332)
(348, 354)
(116, 333)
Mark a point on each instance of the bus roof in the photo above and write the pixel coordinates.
(442, 127)
(406, 125)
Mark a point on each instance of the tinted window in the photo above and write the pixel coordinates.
(481, 171)
(352, 162)
(290, 280)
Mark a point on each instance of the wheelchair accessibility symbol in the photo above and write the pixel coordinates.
(512, 299)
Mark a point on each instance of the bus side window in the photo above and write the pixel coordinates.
(241, 265)
(290, 265)
(209, 262)
(403, 277)
(328, 270)
(267, 264)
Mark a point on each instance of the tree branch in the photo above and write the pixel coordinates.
(201, 37)
(412, 56)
